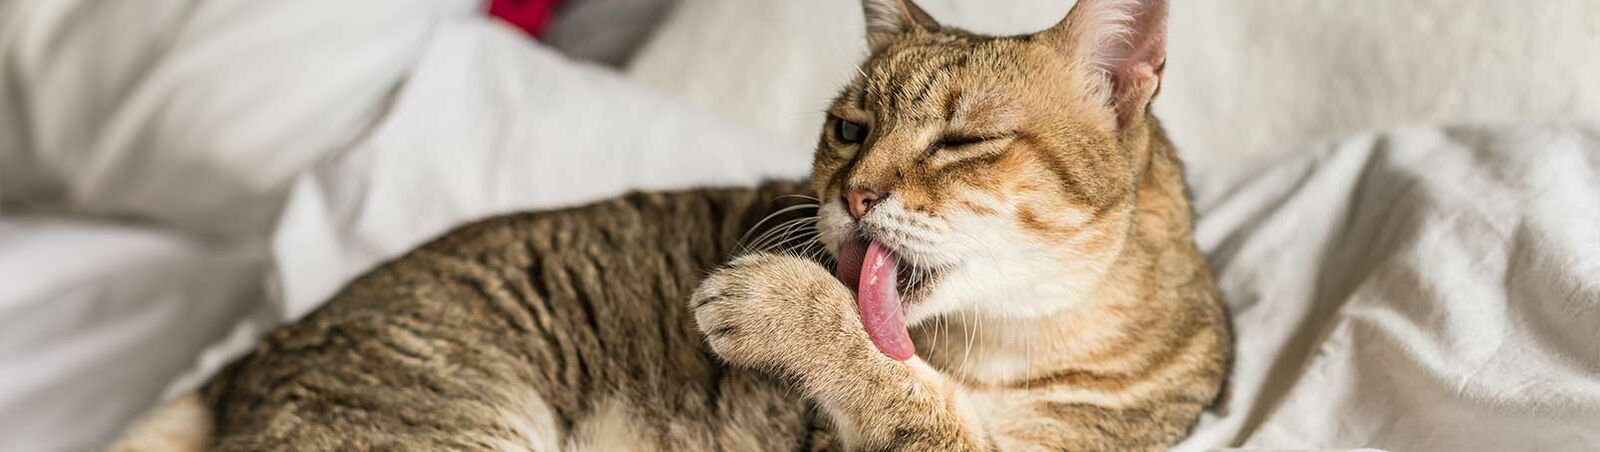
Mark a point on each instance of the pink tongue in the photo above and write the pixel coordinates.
(876, 296)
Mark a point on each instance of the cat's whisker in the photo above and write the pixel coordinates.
(783, 245)
(977, 331)
(779, 230)
(821, 249)
(772, 215)
(804, 239)
(806, 243)
(813, 199)
(968, 352)
(800, 236)
(760, 242)
(945, 321)
(781, 233)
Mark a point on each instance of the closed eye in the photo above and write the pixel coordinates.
(960, 141)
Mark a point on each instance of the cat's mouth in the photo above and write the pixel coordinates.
(882, 284)
(911, 281)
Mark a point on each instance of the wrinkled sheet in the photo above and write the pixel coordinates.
(97, 319)
(1420, 290)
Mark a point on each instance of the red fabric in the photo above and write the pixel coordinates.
(529, 15)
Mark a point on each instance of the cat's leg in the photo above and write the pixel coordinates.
(181, 424)
(790, 316)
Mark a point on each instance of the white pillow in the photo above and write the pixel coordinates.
(193, 114)
(489, 124)
(1245, 77)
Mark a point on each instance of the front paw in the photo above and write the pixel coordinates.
(779, 313)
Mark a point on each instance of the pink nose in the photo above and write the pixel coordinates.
(862, 201)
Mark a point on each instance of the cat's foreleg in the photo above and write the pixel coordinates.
(791, 317)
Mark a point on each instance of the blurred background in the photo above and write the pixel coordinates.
(177, 176)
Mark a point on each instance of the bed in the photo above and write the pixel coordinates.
(1427, 286)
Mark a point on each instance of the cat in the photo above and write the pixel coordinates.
(1012, 267)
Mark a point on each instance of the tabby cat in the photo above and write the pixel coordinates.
(1012, 267)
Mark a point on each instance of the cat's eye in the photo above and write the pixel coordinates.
(952, 142)
(849, 132)
(959, 141)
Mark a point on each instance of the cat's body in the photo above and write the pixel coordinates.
(545, 331)
(1015, 270)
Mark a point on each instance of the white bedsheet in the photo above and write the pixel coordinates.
(96, 319)
(1427, 289)
(1420, 290)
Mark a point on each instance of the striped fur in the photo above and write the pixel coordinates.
(527, 332)
(1059, 300)
(1054, 291)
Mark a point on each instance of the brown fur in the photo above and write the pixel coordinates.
(1086, 171)
(568, 329)
(471, 340)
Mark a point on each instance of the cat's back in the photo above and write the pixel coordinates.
(548, 330)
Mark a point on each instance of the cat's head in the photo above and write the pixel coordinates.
(1000, 171)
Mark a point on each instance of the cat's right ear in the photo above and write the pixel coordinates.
(888, 20)
(1122, 44)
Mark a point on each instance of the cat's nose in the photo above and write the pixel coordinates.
(862, 201)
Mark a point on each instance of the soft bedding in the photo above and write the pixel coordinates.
(1419, 290)
(194, 115)
(1422, 289)
(96, 319)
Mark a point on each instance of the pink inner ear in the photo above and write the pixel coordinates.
(1136, 61)
(1126, 39)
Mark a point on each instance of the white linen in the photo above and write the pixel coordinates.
(132, 105)
(1244, 77)
(486, 125)
(188, 119)
(1421, 290)
(96, 319)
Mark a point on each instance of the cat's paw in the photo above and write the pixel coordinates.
(779, 313)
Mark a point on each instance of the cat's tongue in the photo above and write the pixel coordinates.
(870, 268)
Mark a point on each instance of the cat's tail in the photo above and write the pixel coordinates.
(183, 424)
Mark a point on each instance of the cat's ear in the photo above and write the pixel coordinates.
(887, 20)
(1123, 44)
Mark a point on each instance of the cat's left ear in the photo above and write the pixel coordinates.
(1123, 44)
(888, 20)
